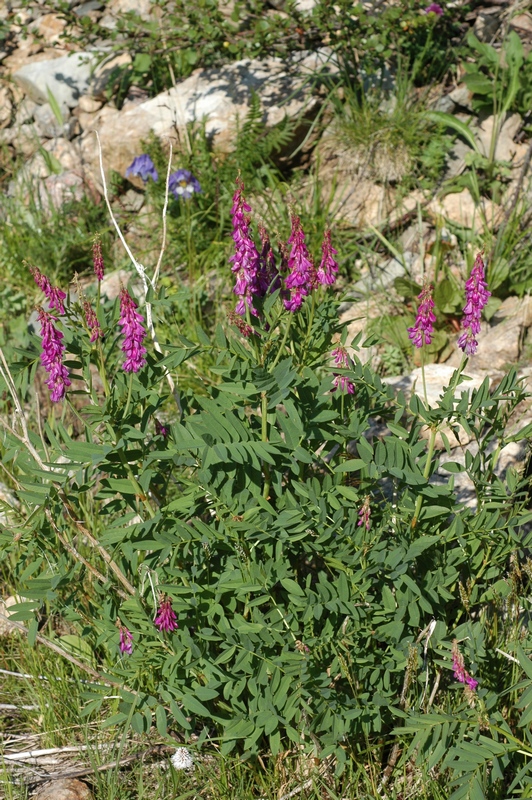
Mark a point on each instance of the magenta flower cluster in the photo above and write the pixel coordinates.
(246, 258)
(342, 360)
(477, 295)
(257, 273)
(55, 296)
(301, 274)
(52, 356)
(328, 268)
(166, 619)
(459, 670)
(434, 8)
(423, 328)
(97, 258)
(126, 640)
(134, 333)
(92, 321)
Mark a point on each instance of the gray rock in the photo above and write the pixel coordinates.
(24, 138)
(221, 97)
(63, 789)
(7, 628)
(486, 25)
(106, 71)
(381, 276)
(501, 340)
(25, 112)
(461, 96)
(49, 127)
(88, 104)
(6, 107)
(113, 282)
(132, 200)
(87, 8)
(56, 190)
(445, 103)
(67, 77)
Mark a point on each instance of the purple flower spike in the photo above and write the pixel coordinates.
(166, 619)
(434, 8)
(52, 357)
(92, 321)
(246, 261)
(326, 274)
(459, 670)
(183, 184)
(342, 382)
(301, 276)
(476, 298)
(268, 275)
(97, 257)
(421, 332)
(142, 167)
(55, 296)
(133, 332)
(126, 641)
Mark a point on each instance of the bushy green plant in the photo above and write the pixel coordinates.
(311, 575)
(500, 80)
(179, 37)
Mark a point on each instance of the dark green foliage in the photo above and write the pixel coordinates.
(296, 623)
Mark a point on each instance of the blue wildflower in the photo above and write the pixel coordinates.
(143, 167)
(183, 184)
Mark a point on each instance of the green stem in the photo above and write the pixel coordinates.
(103, 375)
(426, 472)
(264, 436)
(139, 491)
(309, 329)
(423, 376)
(128, 394)
(283, 342)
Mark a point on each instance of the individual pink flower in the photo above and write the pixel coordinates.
(421, 332)
(160, 429)
(246, 257)
(326, 274)
(477, 295)
(92, 321)
(55, 296)
(342, 360)
(166, 619)
(133, 332)
(97, 257)
(364, 514)
(126, 640)
(52, 356)
(459, 670)
(301, 270)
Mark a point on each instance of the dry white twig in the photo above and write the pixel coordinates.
(140, 268)
(507, 655)
(25, 439)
